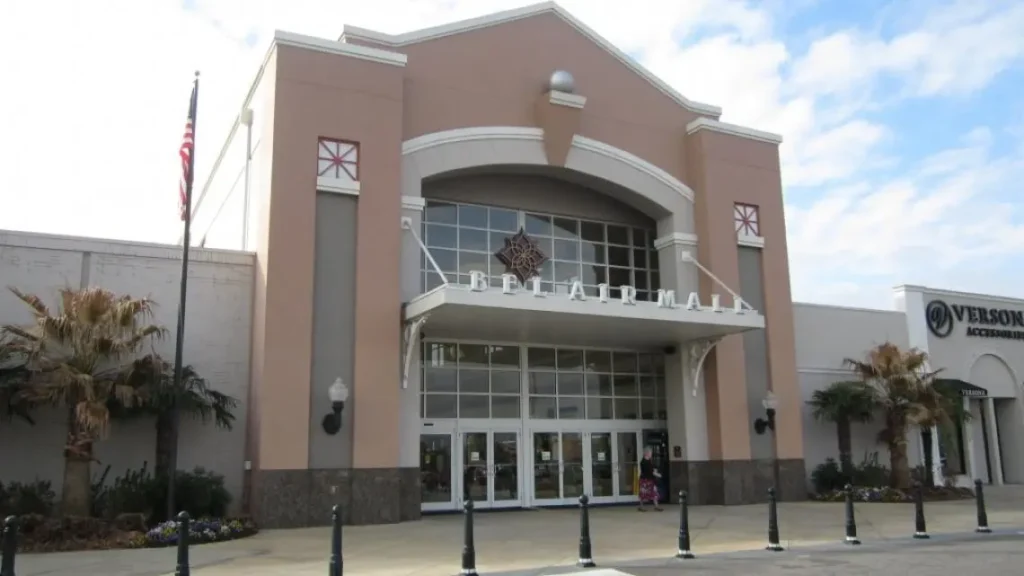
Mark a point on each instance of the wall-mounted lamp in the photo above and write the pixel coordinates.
(338, 393)
(770, 403)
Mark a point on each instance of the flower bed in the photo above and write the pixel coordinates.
(886, 494)
(202, 531)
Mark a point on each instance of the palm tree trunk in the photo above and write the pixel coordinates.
(899, 465)
(76, 498)
(843, 434)
(164, 441)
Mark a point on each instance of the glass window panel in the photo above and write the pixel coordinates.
(473, 355)
(504, 406)
(447, 260)
(572, 408)
(624, 362)
(440, 379)
(570, 384)
(599, 385)
(645, 296)
(474, 406)
(659, 386)
(473, 381)
(538, 225)
(598, 361)
(542, 383)
(547, 273)
(647, 364)
(618, 277)
(655, 280)
(590, 252)
(440, 212)
(438, 354)
(473, 262)
(431, 280)
(505, 382)
(566, 250)
(566, 228)
(618, 235)
(626, 409)
(652, 259)
(640, 280)
(544, 244)
(599, 409)
(470, 239)
(497, 241)
(505, 356)
(540, 358)
(506, 220)
(648, 387)
(594, 275)
(570, 360)
(472, 216)
(625, 386)
(442, 236)
(544, 407)
(592, 231)
(648, 409)
(567, 272)
(440, 405)
(639, 258)
(639, 237)
(618, 256)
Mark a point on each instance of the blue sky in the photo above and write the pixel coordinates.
(903, 120)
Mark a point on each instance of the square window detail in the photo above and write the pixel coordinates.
(337, 163)
(747, 221)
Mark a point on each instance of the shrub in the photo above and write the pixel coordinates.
(870, 472)
(828, 476)
(200, 492)
(21, 499)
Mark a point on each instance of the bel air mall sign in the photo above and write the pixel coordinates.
(666, 298)
(980, 322)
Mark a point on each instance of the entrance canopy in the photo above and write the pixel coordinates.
(491, 313)
(964, 389)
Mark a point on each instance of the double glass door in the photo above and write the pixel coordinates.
(458, 464)
(567, 464)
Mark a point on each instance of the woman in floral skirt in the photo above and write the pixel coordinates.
(648, 481)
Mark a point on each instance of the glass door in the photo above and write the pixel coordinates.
(491, 463)
(436, 465)
(602, 468)
(627, 459)
(559, 472)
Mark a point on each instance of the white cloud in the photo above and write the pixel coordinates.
(99, 93)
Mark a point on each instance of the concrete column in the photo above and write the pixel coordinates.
(993, 442)
(409, 397)
(972, 470)
(936, 458)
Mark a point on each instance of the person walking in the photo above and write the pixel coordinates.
(649, 476)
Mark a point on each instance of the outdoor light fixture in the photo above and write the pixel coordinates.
(338, 393)
(770, 404)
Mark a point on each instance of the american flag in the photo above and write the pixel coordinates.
(186, 151)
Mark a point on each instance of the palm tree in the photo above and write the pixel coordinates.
(76, 356)
(14, 375)
(843, 403)
(903, 388)
(153, 381)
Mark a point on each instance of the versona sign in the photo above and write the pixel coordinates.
(478, 282)
(980, 322)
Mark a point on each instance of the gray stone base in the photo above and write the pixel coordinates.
(300, 498)
(731, 482)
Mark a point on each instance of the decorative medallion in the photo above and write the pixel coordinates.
(746, 219)
(521, 256)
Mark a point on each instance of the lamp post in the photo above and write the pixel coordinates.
(338, 395)
(762, 425)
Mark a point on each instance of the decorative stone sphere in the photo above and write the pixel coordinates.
(562, 81)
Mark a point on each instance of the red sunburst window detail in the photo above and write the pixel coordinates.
(338, 159)
(745, 216)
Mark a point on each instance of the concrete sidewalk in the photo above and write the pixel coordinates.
(530, 540)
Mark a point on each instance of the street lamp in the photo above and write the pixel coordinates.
(338, 394)
(770, 403)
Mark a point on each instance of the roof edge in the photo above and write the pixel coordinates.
(497, 18)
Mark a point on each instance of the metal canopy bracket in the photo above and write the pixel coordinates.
(412, 332)
(739, 304)
(695, 352)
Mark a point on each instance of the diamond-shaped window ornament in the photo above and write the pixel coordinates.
(521, 256)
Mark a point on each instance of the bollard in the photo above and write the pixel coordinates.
(8, 545)
(851, 522)
(468, 548)
(183, 533)
(979, 498)
(683, 547)
(920, 530)
(586, 555)
(773, 524)
(337, 564)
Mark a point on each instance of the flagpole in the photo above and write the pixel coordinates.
(180, 335)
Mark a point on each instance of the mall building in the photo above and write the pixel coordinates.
(496, 259)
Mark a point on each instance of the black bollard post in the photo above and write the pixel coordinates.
(8, 545)
(851, 522)
(979, 498)
(337, 565)
(773, 524)
(920, 530)
(683, 547)
(586, 555)
(183, 568)
(468, 547)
